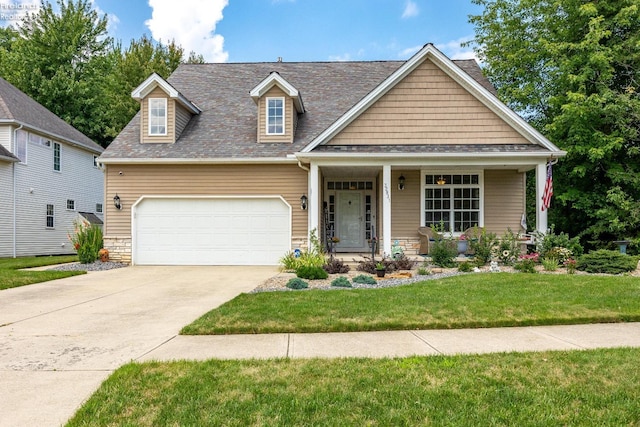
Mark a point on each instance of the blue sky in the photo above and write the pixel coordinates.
(296, 30)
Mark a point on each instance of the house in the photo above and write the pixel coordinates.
(49, 177)
(239, 163)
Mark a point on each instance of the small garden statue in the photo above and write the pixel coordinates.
(493, 267)
(396, 250)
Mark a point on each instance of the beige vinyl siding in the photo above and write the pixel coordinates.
(289, 113)
(290, 182)
(405, 204)
(182, 119)
(504, 200)
(428, 107)
(144, 114)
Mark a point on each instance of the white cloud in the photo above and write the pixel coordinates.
(340, 58)
(112, 19)
(409, 52)
(410, 10)
(192, 24)
(454, 49)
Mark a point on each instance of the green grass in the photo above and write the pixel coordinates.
(577, 388)
(11, 277)
(475, 300)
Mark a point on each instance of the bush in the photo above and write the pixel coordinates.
(442, 253)
(481, 244)
(550, 264)
(297, 283)
(314, 257)
(310, 272)
(604, 261)
(336, 266)
(546, 242)
(341, 282)
(559, 253)
(87, 241)
(401, 262)
(364, 279)
(424, 271)
(527, 263)
(368, 265)
(465, 267)
(508, 248)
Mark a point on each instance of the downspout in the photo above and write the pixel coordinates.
(15, 132)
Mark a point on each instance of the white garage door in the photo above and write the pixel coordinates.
(211, 231)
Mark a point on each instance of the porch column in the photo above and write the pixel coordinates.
(314, 200)
(386, 209)
(541, 216)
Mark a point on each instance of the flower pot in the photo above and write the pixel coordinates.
(380, 273)
(462, 247)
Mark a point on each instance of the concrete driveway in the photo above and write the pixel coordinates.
(59, 340)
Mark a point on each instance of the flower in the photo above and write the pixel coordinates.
(506, 254)
(335, 239)
(462, 237)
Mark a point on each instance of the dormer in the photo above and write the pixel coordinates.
(279, 104)
(164, 112)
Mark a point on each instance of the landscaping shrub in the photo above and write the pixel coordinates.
(364, 279)
(508, 248)
(604, 261)
(336, 266)
(368, 265)
(87, 241)
(442, 253)
(297, 283)
(401, 262)
(424, 271)
(311, 272)
(341, 282)
(546, 242)
(571, 265)
(550, 264)
(314, 257)
(465, 267)
(559, 253)
(527, 263)
(481, 244)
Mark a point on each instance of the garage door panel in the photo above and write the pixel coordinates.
(217, 231)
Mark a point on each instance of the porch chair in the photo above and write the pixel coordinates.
(427, 235)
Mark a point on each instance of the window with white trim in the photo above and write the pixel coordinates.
(39, 140)
(95, 161)
(452, 200)
(157, 116)
(50, 216)
(71, 205)
(21, 145)
(56, 157)
(98, 207)
(275, 116)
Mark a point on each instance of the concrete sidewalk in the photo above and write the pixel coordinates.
(399, 343)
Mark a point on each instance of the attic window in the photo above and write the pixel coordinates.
(157, 116)
(275, 116)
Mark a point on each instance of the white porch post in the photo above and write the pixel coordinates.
(541, 216)
(386, 209)
(314, 200)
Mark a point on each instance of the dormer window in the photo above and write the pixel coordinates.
(275, 116)
(157, 116)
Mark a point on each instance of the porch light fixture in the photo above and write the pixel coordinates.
(303, 202)
(401, 183)
(116, 202)
(441, 181)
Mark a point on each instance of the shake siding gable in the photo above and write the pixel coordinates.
(289, 114)
(171, 121)
(428, 107)
(290, 182)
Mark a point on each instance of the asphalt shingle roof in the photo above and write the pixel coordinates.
(17, 105)
(6, 154)
(227, 126)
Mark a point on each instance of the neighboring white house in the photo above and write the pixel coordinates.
(49, 177)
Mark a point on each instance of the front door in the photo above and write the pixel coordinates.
(349, 220)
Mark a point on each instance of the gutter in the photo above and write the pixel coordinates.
(13, 168)
(53, 135)
(204, 161)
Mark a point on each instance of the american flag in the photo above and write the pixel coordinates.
(548, 189)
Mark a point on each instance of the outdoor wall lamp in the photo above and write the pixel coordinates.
(401, 183)
(116, 202)
(303, 202)
(441, 181)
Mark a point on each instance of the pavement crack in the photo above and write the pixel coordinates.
(156, 347)
(426, 342)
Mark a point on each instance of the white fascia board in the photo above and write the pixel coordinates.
(153, 81)
(193, 161)
(453, 71)
(59, 138)
(276, 79)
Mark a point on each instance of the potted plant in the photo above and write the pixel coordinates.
(463, 244)
(380, 269)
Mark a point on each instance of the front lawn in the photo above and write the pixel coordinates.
(577, 388)
(12, 277)
(467, 301)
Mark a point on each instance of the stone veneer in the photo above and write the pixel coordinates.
(119, 248)
(410, 245)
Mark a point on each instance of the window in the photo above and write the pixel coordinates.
(56, 157)
(98, 207)
(157, 116)
(71, 205)
(452, 200)
(21, 145)
(37, 139)
(95, 161)
(275, 116)
(49, 216)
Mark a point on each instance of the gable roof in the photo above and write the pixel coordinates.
(465, 79)
(16, 107)
(7, 156)
(153, 81)
(226, 127)
(274, 79)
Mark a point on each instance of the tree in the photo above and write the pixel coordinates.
(572, 67)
